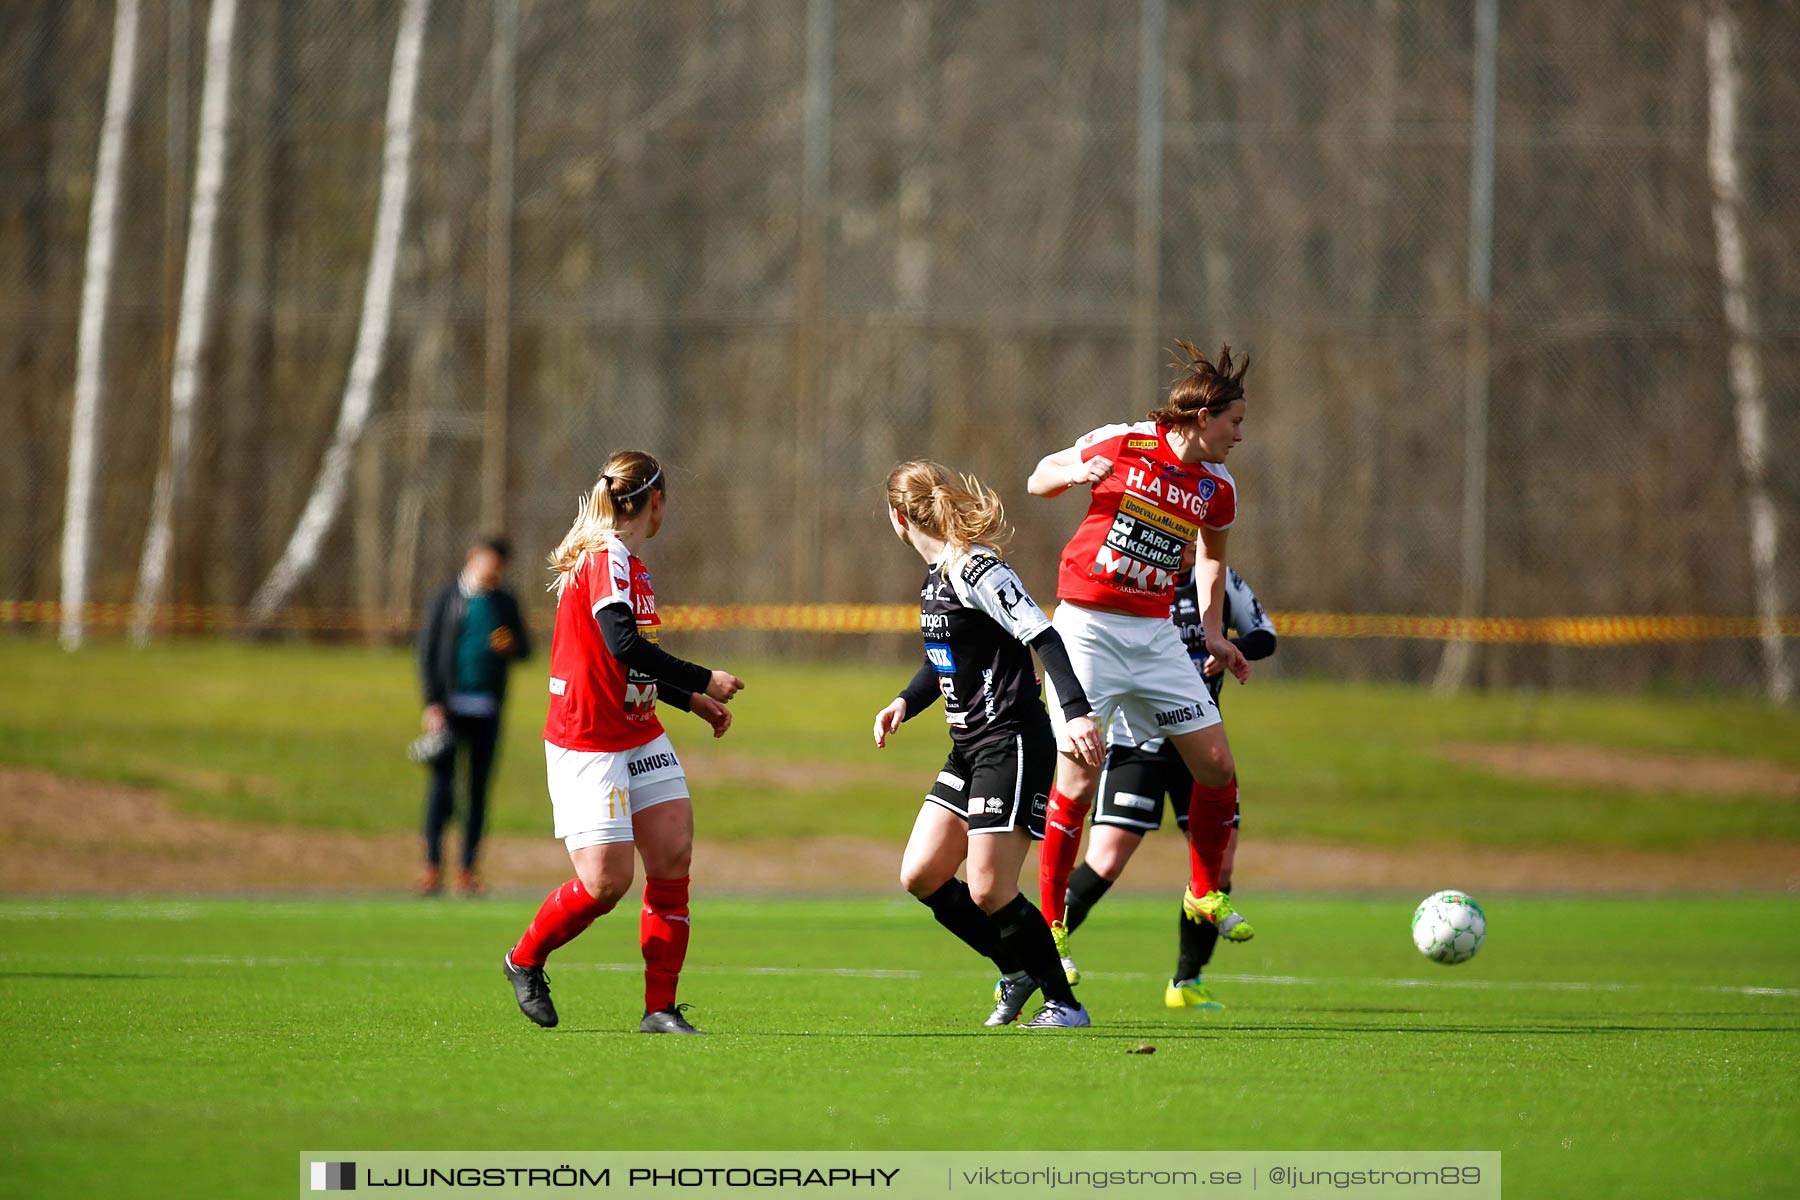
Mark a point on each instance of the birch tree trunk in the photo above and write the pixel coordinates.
(1744, 359)
(191, 331)
(327, 496)
(96, 285)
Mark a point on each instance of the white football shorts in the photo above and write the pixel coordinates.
(1137, 676)
(593, 793)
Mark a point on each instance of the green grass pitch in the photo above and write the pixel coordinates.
(312, 736)
(192, 1047)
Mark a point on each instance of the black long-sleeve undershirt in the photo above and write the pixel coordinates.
(618, 628)
(1258, 643)
(920, 692)
(1055, 657)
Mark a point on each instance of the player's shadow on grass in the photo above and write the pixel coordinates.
(1354, 1011)
(1112, 1033)
(1529, 1029)
(84, 975)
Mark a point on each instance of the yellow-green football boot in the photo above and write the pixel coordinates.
(1189, 993)
(1216, 907)
(1060, 935)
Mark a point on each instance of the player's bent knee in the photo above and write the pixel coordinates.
(1108, 861)
(922, 879)
(606, 885)
(991, 894)
(671, 863)
(1077, 781)
(1216, 768)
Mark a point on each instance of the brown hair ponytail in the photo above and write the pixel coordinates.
(1203, 385)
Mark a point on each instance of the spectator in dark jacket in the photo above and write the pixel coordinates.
(472, 633)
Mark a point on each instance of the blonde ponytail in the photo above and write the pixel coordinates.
(960, 509)
(621, 493)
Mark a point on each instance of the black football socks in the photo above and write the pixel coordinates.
(1024, 933)
(957, 911)
(1086, 886)
(1197, 941)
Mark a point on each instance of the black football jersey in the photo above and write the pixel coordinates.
(976, 616)
(1243, 613)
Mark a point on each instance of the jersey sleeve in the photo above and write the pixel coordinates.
(608, 571)
(1243, 611)
(1102, 441)
(984, 580)
(1221, 506)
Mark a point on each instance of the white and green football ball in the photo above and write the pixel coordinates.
(1448, 927)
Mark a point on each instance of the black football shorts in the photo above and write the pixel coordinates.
(1001, 783)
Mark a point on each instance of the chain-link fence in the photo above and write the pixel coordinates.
(785, 243)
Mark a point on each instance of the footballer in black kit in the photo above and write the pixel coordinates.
(1137, 780)
(980, 628)
(977, 619)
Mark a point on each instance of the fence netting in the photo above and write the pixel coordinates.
(785, 244)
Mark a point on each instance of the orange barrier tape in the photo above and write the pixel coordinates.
(904, 618)
(1540, 631)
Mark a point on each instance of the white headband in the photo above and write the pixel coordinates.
(646, 485)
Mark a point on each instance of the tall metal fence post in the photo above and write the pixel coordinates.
(501, 133)
(1153, 23)
(815, 194)
(1459, 656)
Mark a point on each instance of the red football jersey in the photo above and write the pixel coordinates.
(1127, 551)
(595, 702)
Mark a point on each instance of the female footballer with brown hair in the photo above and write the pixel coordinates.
(1156, 486)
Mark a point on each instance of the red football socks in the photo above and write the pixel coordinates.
(663, 935)
(1056, 856)
(1210, 810)
(563, 915)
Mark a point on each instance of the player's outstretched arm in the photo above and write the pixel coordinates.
(888, 720)
(713, 713)
(1258, 643)
(723, 686)
(1057, 473)
(1080, 726)
(698, 703)
(618, 628)
(987, 582)
(919, 694)
(1209, 582)
(1255, 634)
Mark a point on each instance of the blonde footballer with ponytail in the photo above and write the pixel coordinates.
(980, 629)
(959, 509)
(628, 483)
(618, 793)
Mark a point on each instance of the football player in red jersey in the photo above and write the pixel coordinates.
(980, 627)
(1156, 486)
(615, 781)
(1136, 778)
